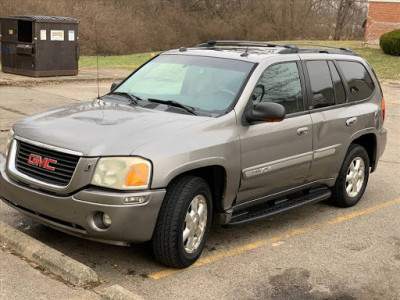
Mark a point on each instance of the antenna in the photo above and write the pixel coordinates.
(245, 54)
(97, 58)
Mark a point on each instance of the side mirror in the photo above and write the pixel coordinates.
(114, 85)
(266, 112)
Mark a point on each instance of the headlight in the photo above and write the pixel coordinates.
(8, 142)
(122, 173)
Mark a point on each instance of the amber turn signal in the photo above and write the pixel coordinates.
(383, 109)
(138, 175)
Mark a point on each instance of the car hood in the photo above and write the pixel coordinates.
(102, 128)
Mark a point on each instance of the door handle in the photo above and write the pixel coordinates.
(351, 121)
(302, 131)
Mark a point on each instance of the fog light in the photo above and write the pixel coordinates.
(135, 199)
(106, 220)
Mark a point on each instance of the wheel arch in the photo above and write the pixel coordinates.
(369, 142)
(215, 176)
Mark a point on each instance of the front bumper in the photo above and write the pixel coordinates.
(78, 214)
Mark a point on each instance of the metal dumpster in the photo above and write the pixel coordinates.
(39, 46)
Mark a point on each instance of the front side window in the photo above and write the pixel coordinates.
(321, 84)
(280, 83)
(360, 82)
(207, 84)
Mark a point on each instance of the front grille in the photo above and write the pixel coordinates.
(63, 169)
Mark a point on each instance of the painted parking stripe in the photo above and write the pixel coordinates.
(260, 243)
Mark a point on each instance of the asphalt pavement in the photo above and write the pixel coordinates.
(314, 252)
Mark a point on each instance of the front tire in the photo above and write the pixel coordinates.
(353, 177)
(183, 222)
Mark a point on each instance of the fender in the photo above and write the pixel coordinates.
(231, 170)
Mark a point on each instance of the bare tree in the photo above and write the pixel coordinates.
(126, 26)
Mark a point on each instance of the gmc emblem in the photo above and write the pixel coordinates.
(41, 162)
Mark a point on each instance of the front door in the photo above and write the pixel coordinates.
(276, 156)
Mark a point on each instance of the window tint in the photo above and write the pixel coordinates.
(281, 84)
(340, 94)
(360, 83)
(321, 84)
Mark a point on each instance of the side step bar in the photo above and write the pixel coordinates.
(251, 215)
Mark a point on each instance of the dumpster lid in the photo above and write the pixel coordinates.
(45, 19)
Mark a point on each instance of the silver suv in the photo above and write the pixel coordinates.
(230, 131)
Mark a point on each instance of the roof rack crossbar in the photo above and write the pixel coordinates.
(227, 43)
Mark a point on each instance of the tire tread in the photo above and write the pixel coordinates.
(339, 196)
(165, 236)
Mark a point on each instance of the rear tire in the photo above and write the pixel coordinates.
(352, 179)
(183, 222)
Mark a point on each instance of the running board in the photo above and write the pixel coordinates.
(247, 215)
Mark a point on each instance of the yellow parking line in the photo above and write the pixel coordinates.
(260, 243)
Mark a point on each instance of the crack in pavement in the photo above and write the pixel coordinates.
(13, 111)
(391, 162)
(33, 89)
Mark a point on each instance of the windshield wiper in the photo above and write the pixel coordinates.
(132, 98)
(187, 108)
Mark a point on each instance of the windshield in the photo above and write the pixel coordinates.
(207, 84)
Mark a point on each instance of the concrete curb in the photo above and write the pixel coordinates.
(61, 265)
(117, 292)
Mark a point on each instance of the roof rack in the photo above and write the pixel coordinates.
(319, 45)
(324, 49)
(287, 48)
(229, 43)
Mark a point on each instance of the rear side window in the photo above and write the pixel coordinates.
(360, 82)
(321, 84)
(340, 94)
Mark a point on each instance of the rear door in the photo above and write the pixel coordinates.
(334, 119)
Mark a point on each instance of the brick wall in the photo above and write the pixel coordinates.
(382, 18)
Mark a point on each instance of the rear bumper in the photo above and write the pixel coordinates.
(381, 139)
(78, 214)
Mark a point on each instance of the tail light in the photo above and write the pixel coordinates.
(383, 109)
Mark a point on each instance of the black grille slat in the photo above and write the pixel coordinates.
(24, 157)
(28, 151)
(55, 155)
(49, 152)
(36, 170)
(45, 178)
(64, 168)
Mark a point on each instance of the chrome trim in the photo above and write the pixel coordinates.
(324, 152)
(12, 155)
(277, 165)
(288, 162)
(49, 147)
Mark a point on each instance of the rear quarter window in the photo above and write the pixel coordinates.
(358, 79)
